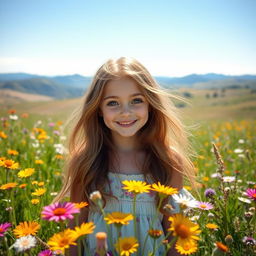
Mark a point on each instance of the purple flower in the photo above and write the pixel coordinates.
(251, 193)
(45, 253)
(59, 211)
(209, 193)
(4, 227)
(204, 205)
(249, 241)
(51, 124)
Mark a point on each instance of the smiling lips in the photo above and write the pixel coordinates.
(126, 123)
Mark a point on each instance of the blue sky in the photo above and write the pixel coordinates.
(170, 37)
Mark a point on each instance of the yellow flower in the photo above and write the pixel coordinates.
(222, 247)
(187, 187)
(22, 185)
(205, 178)
(34, 182)
(211, 226)
(12, 152)
(184, 228)
(39, 192)
(3, 135)
(164, 190)
(59, 156)
(155, 233)
(186, 248)
(136, 187)
(39, 161)
(81, 205)
(35, 201)
(62, 240)
(26, 228)
(126, 245)
(84, 229)
(40, 184)
(26, 172)
(8, 186)
(118, 218)
(10, 164)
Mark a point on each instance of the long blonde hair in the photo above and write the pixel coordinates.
(163, 137)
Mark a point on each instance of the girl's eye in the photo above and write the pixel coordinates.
(112, 103)
(137, 100)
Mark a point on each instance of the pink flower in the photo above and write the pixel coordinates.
(45, 253)
(251, 193)
(4, 227)
(204, 205)
(59, 211)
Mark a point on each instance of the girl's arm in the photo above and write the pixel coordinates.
(176, 182)
(75, 197)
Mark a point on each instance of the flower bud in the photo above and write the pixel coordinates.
(229, 240)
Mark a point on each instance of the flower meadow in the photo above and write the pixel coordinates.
(220, 221)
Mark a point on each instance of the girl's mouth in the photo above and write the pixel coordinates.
(126, 123)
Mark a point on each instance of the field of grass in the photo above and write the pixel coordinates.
(32, 154)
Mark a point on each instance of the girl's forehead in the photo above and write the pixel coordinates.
(122, 86)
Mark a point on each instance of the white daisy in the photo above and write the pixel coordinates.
(229, 179)
(238, 151)
(241, 141)
(13, 117)
(216, 175)
(24, 243)
(244, 200)
(184, 201)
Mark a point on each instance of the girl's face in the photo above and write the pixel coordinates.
(124, 108)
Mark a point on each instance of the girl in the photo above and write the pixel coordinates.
(128, 130)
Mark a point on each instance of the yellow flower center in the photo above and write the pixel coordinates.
(203, 206)
(59, 211)
(8, 163)
(63, 242)
(126, 246)
(25, 243)
(182, 231)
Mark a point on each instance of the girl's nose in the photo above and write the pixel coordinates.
(126, 109)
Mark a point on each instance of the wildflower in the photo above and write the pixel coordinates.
(40, 184)
(186, 248)
(244, 200)
(205, 178)
(3, 135)
(10, 164)
(229, 179)
(84, 229)
(38, 161)
(59, 156)
(24, 243)
(11, 111)
(81, 205)
(22, 185)
(222, 247)
(184, 202)
(45, 253)
(12, 152)
(35, 201)
(249, 241)
(212, 226)
(229, 239)
(96, 196)
(26, 172)
(8, 186)
(26, 228)
(13, 117)
(101, 243)
(118, 218)
(4, 227)
(136, 187)
(164, 190)
(59, 211)
(216, 175)
(126, 245)
(39, 192)
(204, 205)
(251, 193)
(238, 151)
(241, 141)
(185, 229)
(210, 193)
(62, 240)
(155, 233)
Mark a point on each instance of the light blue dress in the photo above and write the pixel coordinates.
(146, 209)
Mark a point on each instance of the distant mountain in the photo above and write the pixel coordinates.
(71, 86)
(42, 86)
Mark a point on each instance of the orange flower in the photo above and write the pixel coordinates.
(8, 186)
(10, 164)
(222, 247)
(12, 152)
(81, 205)
(3, 135)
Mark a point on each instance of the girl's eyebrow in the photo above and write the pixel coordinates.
(116, 97)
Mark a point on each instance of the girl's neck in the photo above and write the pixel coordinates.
(125, 145)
